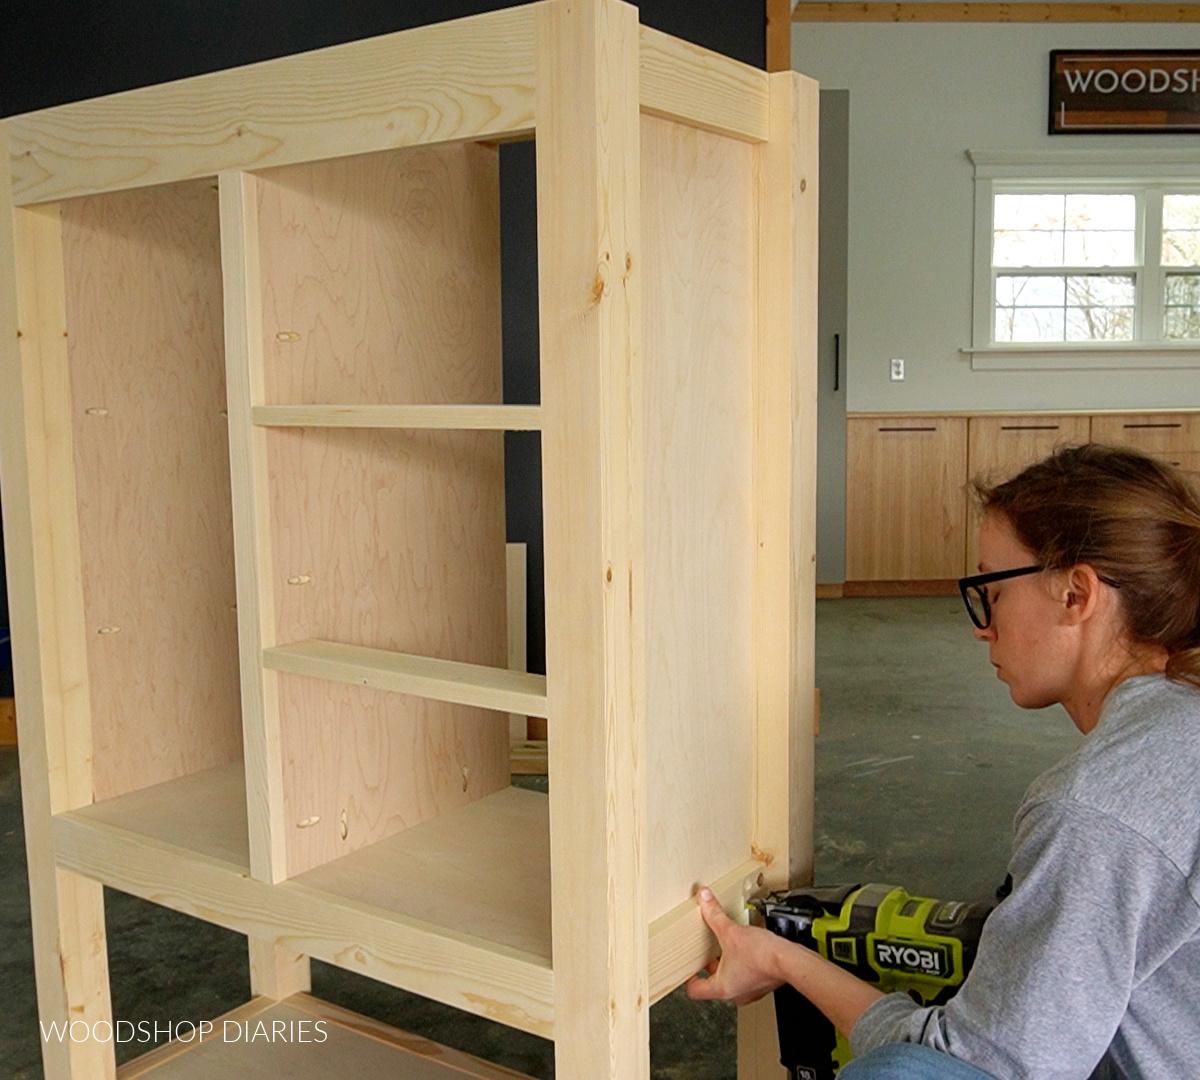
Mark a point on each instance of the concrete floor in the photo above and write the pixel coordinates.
(921, 762)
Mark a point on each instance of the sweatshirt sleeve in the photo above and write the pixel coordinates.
(1057, 959)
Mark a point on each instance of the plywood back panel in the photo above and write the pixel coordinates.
(392, 540)
(698, 231)
(999, 447)
(143, 292)
(906, 502)
(381, 278)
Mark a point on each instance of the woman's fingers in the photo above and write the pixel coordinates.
(700, 988)
(713, 913)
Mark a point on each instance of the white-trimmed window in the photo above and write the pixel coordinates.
(1099, 268)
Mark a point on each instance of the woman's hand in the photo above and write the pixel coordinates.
(748, 967)
(753, 962)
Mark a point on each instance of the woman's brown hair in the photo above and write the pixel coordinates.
(1132, 518)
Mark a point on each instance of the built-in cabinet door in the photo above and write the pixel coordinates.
(999, 447)
(1174, 437)
(906, 505)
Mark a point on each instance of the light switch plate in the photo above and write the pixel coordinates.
(897, 369)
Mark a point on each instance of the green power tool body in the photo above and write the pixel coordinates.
(879, 933)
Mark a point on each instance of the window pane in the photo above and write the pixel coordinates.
(1182, 324)
(1181, 247)
(1109, 212)
(1094, 248)
(1099, 323)
(1183, 289)
(1181, 230)
(1013, 290)
(1181, 211)
(1064, 230)
(1181, 319)
(1100, 290)
(1024, 212)
(1029, 324)
(1028, 248)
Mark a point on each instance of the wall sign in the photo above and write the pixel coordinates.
(1124, 91)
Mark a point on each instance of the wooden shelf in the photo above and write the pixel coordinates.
(443, 417)
(482, 870)
(456, 908)
(442, 680)
(336, 1043)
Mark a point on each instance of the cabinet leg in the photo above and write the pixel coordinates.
(71, 962)
(276, 972)
(758, 1042)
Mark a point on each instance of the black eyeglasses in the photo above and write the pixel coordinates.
(975, 594)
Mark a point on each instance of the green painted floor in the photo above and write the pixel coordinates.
(921, 762)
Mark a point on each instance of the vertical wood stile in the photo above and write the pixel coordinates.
(49, 644)
(588, 264)
(244, 381)
(275, 971)
(803, 127)
(785, 509)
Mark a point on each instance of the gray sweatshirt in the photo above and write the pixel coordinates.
(1096, 954)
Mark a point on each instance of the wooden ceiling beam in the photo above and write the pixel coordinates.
(1018, 11)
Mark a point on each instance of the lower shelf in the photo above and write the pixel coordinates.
(456, 909)
(336, 1044)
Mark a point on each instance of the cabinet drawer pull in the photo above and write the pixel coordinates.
(1028, 427)
(907, 429)
(1134, 427)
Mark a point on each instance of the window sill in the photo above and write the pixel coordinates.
(1083, 357)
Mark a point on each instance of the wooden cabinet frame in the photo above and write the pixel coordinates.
(630, 397)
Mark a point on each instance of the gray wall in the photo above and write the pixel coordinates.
(920, 97)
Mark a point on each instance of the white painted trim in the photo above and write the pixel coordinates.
(1143, 173)
(1169, 164)
(1089, 357)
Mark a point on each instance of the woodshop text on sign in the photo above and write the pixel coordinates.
(1124, 91)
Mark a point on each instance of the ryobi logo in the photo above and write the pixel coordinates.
(917, 959)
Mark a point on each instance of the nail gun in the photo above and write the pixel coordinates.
(879, 933)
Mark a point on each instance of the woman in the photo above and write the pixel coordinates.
(1089, 597)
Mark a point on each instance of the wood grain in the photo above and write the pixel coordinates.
(482, 870)
(1173, 437)
(1012, 12)
(45, 604)
(380, 285)
(424, 676)
(779, 35)
(110, 843)
(250, 490)
(8, 722)
(468, 79)
(322, 1040)
(680, 942)
(381, 279)
(698, 234)
(999, 447)
(152, 473)
(589, 312)
(906, 503)
(437, 417)
(695, 86)
(389, 540)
